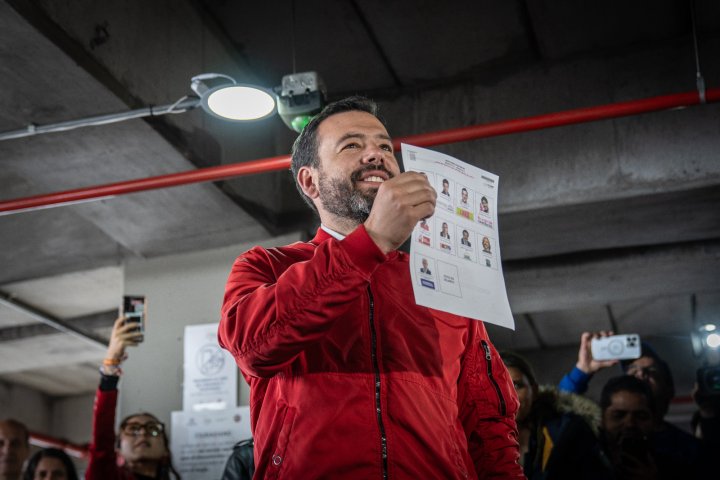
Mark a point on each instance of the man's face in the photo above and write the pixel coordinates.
(484, 204)
(446, 186)
(486, 243)
(466, 234)
(425, 264)
(525, 392)
(627, 415)
(137, 441)
(355, 157)
(14, 450)
(464, 195)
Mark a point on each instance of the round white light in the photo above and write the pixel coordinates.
(709, 327)
(713, 340)
(239, 102)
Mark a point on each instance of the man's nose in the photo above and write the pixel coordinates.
(373, 154)
(630, 422)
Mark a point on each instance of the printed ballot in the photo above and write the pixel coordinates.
(455, 254)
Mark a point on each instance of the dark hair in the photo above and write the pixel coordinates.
(626, 383)
(50, 453)
(165, 466)
(305, 148)
(661, 365)
(512, 359)
(19, 426)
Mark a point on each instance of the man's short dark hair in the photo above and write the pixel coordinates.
(512, 359)
(664, 373)
(11, 422)
(305, 148)
(626, 383)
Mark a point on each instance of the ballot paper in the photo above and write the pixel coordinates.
(455, 254)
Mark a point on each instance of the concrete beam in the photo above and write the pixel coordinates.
(87, 323)
(657, 219)
(658, 152)
(593, 278)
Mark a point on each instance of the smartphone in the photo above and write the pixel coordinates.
(616, 347)
(134, 309)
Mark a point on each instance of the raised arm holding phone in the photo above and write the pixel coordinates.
(348, 376)
(141, 445)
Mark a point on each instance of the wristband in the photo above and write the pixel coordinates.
(111, 370)
(112, 362)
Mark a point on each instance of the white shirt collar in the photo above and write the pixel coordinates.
(333, 233)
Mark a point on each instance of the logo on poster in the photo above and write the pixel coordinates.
(210, 360)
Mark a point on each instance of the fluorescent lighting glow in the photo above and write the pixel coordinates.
(713, 340)
(239, 102)
(709, 327)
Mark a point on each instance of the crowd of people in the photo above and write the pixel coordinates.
(350, 378)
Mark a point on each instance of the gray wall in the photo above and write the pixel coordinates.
(180, 290)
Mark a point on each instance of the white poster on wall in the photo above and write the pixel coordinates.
(202, 441)
(210, 373)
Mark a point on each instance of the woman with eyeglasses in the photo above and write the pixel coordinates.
(141, 450)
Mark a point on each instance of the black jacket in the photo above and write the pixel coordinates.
(241, 464)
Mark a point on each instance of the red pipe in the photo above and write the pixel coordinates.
(567, 117)
(46, 441)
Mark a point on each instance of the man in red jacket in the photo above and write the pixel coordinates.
(349, 378)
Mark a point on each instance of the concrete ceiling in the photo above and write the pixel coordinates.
(612, 224)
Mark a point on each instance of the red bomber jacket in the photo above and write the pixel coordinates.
(350, 379)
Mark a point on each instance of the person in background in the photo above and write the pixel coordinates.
(669, 441)
(705, 422)
(141, 449)
(50, 464)
(558, 431)
(14, 448)
(240, 464)
(628, 415)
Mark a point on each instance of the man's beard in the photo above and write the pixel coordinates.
(342, 198)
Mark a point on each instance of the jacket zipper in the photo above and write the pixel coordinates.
(376, 369)
(488, 358)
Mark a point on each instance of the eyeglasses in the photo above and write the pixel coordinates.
(151, 428)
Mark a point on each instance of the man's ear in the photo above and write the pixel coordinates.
(307, 179)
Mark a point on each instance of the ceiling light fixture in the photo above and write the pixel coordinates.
(705, 337)
(231, 100)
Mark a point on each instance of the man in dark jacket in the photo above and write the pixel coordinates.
(240, 464)
(349, 377)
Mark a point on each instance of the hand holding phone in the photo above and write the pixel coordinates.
(616, 347)
(134, 310)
